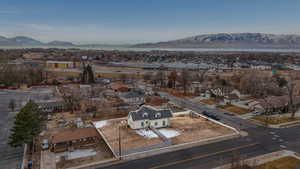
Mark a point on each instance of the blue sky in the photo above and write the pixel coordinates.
(131, 21)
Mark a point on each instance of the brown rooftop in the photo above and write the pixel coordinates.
(74, 134)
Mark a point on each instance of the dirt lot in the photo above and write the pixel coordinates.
(129, 138)
(189, 129)
(196, 129)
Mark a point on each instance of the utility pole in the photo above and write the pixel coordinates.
(120, 149)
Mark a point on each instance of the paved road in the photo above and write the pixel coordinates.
(227, 119)
(11, 158)
(260, 141)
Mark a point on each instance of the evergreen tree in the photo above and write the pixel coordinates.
(90, 74)
(26, 126)
(87, 75)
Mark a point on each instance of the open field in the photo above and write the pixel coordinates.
(235, 109)
(282, 163)
(275, 120)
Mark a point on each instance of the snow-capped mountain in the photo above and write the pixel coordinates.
(232, 40)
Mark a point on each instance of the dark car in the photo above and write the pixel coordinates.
(210, 115)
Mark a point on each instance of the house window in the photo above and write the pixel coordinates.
(145, 115)
(157, 115)
(142, 124)
(164, 123)
(155, 123)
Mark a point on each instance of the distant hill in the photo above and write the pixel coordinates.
(27, 41)
(230, 40)
(60, 43)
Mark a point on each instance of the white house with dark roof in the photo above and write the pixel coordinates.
(147, 116)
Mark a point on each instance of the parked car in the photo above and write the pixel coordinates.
(257, 113)
(45, 144)
(210, 115)
(229, 114)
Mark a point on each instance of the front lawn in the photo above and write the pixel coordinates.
(275, 120)
(235, 109)
(209, 101)
(282, 163)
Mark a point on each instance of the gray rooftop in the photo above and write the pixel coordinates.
(150, 113)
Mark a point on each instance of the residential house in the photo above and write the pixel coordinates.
(73, 139)
(147, 116)
(274, 104)
(195, 87)
(49, 106)
(230, 98)
(134, 97)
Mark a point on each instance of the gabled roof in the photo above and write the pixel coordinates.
(150, 113)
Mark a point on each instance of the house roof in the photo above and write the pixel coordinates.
(150, 113)
(74, 134)
(50, 103)
(233, 96)
(119, 86)
(133, 94)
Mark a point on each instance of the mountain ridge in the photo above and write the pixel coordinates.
(28, 41)
(230, 40)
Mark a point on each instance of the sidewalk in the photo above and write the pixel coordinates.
(48, 160)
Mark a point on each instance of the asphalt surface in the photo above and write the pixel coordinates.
(260, 141)
(11, 158)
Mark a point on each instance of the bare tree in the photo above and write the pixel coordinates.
(124, 77)
(71, 98)
(147, 76)
(290, 85)
(172, 79)
(160, 78)
(184, 79)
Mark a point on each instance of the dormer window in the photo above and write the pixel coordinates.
(145, 115)
(157, 115)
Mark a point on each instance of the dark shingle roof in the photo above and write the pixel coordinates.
(133, 94)
(150, 113)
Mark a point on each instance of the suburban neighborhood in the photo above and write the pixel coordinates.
(159, 84)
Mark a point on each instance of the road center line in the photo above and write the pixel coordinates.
(203, 156)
